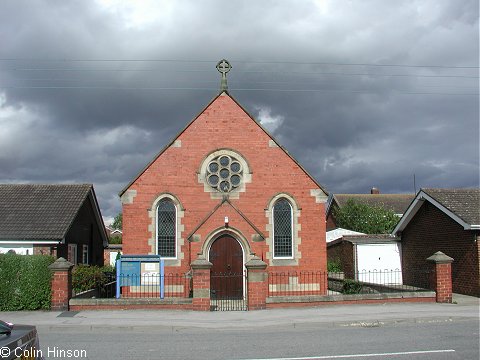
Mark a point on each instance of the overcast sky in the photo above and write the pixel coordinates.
(362, 93)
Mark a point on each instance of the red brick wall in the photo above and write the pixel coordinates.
(224, 125)
(443, 282)
(106, 255)
(45, 250)
(61, 290)
(431, 231)
(257, 289)
(201, 282)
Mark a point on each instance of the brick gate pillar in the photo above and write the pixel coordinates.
(61, 284)
(201, 283)
(257, 284)
(442, 276)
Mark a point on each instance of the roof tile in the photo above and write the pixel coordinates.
(465, 203)
(39, 212)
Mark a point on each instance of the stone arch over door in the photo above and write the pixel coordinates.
(236, 234)
(227, 255)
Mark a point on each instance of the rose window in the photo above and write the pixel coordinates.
(224, 173)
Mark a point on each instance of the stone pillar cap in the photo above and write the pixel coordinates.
(201, 263)
(440, 258)
(256, 263)
(61, 264)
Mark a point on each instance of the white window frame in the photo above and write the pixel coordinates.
(292, 256)
(85, 258)
(72, 253)
(176, 230)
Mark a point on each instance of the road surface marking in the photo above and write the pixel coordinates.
(359, 355)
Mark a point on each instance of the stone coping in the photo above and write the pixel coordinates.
(354, 297)
(131, 301)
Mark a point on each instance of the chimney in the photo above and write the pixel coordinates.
(374, 191)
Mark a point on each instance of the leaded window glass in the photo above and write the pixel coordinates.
(166, 228)
(282, 229)
(224, 173)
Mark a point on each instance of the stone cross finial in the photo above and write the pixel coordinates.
(223, 67)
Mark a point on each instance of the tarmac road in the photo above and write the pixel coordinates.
(377, 331)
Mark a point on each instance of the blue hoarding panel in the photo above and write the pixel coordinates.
(130, 273)
(129, 270)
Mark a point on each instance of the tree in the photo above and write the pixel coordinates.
(364, 218)
(117, 222)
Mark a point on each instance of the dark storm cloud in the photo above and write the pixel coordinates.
(352, 127)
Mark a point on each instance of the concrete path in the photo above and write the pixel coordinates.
(329, 315)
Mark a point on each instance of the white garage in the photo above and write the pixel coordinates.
(368, 258)
(379, 262)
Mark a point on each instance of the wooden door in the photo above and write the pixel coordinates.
(226, 280)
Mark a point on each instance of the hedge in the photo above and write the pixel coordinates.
(25, 282)
(86, 277)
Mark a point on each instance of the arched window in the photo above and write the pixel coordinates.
(166, 228)
(282, 229)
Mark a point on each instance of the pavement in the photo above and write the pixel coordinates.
(463, 308)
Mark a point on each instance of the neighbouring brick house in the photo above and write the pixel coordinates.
(446, 220)
(397, 203)
(60, 220)
(224, 189)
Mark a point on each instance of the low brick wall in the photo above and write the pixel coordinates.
(272, 302)
(131, 304)
(336, 284)
(309, 301)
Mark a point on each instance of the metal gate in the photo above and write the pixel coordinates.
(227, 292)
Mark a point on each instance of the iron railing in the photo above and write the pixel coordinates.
(305, 283)
(227, 292)
(154, 285)
(142, 286)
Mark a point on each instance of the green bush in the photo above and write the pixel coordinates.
(25, 282)
(117, 239)
(351, 287)
(85, 277)
(367, 219)
(108, 269)
(334, 266)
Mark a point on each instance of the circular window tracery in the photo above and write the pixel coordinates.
(224, 173)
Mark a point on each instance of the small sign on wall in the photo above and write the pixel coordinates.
(150, 274)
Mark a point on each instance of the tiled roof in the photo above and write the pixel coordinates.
(465, 203)
(398, 203)
(39, 212)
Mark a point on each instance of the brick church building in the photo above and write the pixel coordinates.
(224, 190)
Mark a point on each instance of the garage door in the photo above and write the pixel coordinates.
(379, 263)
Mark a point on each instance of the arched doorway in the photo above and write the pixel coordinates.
(226, 256)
